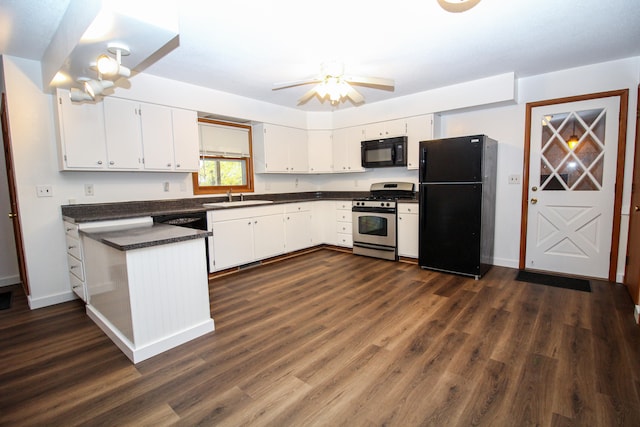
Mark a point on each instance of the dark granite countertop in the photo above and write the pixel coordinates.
(145, 236)
(122, 210)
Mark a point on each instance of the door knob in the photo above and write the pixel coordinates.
(12, 215)
(534, 201)
(636, 208)
(534, 188)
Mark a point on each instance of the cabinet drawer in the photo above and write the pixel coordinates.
(73, 247)
(297, 207)
(344, 227)
(71, 230)
(344, 205)
(408, 208)
(75, 267)
(343, 216)
(77, 286)
(344, 239)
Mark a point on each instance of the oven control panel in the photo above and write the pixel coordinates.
(374, 203)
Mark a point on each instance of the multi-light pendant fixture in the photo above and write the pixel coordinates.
(109, 70)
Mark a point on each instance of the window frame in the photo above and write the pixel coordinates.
(223, 189)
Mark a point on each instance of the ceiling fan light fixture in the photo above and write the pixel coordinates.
(457, 6)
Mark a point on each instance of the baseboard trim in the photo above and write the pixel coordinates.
(9, 281)
(35, 303)
(143, 352)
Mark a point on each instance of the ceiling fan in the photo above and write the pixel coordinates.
(333, 84)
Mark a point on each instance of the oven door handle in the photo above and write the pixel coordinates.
(376, 247)
(374, 210)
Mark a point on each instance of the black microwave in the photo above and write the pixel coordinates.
(384, 152)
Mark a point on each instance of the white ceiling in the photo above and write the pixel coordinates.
(245, 46)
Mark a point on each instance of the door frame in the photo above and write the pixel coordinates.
(617, 205)
(631, 272)
(13, 197)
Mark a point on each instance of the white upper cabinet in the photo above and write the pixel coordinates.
(346, 149)
(185, 140)
(320, 144)
(124, 134)
(119, 134)
(279, 149)
(81, 142)
(386, 129)
(157, 137)
(419, 128)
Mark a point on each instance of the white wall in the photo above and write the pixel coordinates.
(34, 141)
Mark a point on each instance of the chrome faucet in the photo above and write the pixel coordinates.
(229, 196)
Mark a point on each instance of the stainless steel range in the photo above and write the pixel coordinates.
(375, 220)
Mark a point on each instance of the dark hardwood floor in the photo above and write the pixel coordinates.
(329, 338)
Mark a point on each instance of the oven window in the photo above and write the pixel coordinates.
(378, 155)
(372, 225)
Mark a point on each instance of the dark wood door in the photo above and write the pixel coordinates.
(11, 179)
(632, 270)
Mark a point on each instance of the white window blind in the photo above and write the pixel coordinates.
(225, 141)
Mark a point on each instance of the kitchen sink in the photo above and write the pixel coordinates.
(236, 203)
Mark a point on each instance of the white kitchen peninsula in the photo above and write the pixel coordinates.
(148, 286)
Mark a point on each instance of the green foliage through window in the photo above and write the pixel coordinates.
(218, 171)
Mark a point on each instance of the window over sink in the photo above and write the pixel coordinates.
(225, 158)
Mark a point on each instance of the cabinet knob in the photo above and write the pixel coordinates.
(73, 267)
(177, 165)
(71, 247)
(99, 162)
(112, 162)
(168, 165)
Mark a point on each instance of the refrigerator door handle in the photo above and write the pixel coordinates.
(423, 165)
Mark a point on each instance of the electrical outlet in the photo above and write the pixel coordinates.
(165, 186)
(514, 179)
(88, 190)
(44, 190)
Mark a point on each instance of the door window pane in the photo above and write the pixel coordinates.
(572, 151)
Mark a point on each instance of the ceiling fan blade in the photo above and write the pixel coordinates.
(284, 85)
(307, 96)
(355, 96)
(370, 81)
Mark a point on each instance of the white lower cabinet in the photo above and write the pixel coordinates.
(75, 260)
(344, 230)
(408, 230)
(242, 236)
(75, 251)
(298, 226)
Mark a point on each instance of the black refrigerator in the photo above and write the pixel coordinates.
(457, 194)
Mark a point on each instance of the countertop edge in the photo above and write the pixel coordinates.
(145, 237)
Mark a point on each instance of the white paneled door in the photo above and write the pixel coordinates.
(572, 178)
